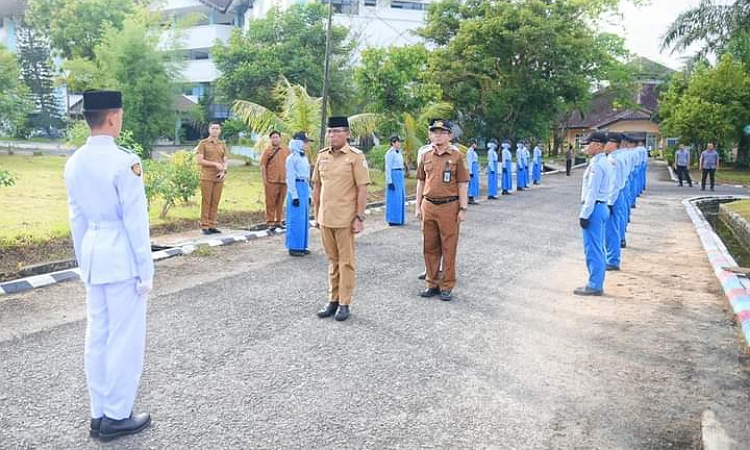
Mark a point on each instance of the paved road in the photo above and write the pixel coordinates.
(237, 359)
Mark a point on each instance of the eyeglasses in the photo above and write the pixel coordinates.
(337, 130)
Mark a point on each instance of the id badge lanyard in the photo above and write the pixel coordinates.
(447, 172)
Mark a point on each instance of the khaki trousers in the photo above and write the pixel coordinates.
(210, 196)
(440, 240)
(275, 194)
(339, 246)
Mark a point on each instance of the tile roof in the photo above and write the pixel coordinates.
(221, 5)
(601, 110)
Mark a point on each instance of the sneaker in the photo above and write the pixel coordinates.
(587, 291)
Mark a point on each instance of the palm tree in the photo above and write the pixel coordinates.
(298, 112)
(414, 127)
(712, 24)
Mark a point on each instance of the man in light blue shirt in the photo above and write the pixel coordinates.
(708, 163)
(110, 227)
(595, 193)
(682, 165)
(395, 196)
(298, 196)
(613, 232)
(472, 161)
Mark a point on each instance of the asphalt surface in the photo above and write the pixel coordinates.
(236, 357)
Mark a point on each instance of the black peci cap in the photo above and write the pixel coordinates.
(338, 122)
(95, 100)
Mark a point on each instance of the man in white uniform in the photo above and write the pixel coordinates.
(110, 227)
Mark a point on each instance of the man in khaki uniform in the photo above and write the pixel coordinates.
(273, 172)
(211, 155)
(340, 180)
(442, 202)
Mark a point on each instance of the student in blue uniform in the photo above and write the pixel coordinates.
(520, 167)
(595, 192)
(537, 168)
(492, 170)
(507, 164)
(298, 196)
(395, 196)
(110, 227)
(472, 160)
(614, 234)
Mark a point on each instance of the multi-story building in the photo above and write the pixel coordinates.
(11, 13)
(378, 23)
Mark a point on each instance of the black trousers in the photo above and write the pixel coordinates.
(711, 173)
(684, 174)
(568, 166)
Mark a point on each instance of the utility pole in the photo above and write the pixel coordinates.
(326, 71)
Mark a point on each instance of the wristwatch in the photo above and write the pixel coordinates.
(360, 218)
(463, 208)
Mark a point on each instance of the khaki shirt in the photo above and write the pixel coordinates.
(276, 167)
(212, 150)
(339, 172)
(432, 172)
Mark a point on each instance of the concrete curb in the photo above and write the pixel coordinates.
(736, 288)
(713, 435)
(37, 281)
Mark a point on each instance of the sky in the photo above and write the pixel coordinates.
(643, 27)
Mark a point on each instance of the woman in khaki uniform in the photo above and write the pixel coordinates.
(340, 180)
(442, 202)
(211, 155)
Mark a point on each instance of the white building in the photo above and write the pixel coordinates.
(11, 13)
(376, 23)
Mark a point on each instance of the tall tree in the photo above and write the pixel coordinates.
(75, 27)
(711, 25)
(130, 60)
(711, 104)
(511, 68)
(36, 71)
(14, 100)
(289, 43)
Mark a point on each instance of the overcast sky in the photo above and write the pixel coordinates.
(644, 26)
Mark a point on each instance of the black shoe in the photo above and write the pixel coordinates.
(422, 276)
(94, 428)
(586, 291)
(214, 231)
(612, 268)
(296, 253)
(491, 197)
(623, 244)
(206, 231)
(471, 201)
(342, 314)
(112, 429)
(430, 292)
(306, 251)
(328, 310)
(703, 189)
(445, 296)
(506, 193)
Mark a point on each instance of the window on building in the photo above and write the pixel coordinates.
(371, 3)
(349, 7)
(408, 5)
(673, 141)
(579, 138)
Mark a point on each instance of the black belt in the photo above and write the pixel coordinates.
(441, 201)
(600, 201)
(397, 169)
(301, 179)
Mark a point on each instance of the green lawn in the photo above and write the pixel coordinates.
(741, 207)
(35, 208)
(725, 175)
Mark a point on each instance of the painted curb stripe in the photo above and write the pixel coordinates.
(735, 287)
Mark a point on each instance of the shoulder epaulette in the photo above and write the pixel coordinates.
(356, 151)
(325, 149)
(126, 150)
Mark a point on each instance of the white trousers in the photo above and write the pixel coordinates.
(115, 341)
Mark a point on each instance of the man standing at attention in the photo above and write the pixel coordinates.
(442, 199)
(211, 155)
(273, 172)
(110, 228)
(395, 196)
(340, 180)
(595, 192)
(708, 164)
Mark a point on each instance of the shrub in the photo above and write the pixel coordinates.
(376, 157)
(79, 132)
(176, 179)
(668, 155)
(7, 178)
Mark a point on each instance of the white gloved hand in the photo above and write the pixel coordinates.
(144, 287)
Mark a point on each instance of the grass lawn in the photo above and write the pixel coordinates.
(35, 208)
(741, 207)
(725, 175)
